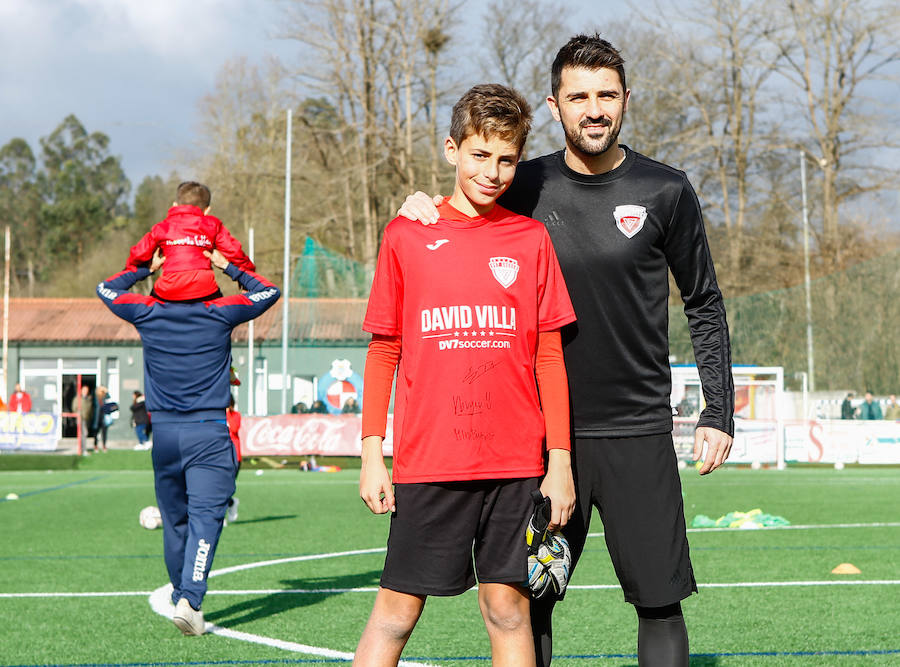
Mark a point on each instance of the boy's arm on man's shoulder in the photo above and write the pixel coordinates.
(142, 252)
(232, 249)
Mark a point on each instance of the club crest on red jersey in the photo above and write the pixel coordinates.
(630, 219)
(505, 270)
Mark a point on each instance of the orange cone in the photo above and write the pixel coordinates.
(846, 568)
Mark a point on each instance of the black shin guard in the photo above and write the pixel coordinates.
(662, 637)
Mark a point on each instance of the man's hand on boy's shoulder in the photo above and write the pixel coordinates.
(157, 260)
(422, 207)
(217, 258)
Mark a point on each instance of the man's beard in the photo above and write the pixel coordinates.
(592, 147)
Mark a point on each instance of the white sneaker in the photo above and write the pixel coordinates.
(231, 512)
(188, 619)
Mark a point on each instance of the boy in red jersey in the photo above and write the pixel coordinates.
(470, 310)
(186, 232)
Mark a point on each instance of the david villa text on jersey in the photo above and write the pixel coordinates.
(446, 318)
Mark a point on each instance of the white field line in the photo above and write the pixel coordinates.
(160, 599)
(819, 526)
(294, 559)
(333, 591)
(161, 603)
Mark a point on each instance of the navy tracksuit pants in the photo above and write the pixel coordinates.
(194, 465)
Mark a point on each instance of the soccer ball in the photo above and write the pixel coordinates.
(150, 518)
(548, 569)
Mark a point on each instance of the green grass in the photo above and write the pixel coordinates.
(76, 531)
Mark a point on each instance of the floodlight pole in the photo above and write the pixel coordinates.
(810, 360)
(286, 287)
(6, 255)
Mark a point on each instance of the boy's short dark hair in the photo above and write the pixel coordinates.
(191, 193)
(588, 51)
(491, 109)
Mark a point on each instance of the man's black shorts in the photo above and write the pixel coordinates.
(634, 484)
(437, 527)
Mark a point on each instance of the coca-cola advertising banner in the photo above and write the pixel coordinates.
(305, 435)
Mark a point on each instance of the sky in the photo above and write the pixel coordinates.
(131, 69)
(135, 69)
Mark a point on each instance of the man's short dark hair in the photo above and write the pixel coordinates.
(491, 110)
(588, 51)
(191, 193)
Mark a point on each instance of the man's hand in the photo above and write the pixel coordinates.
(421, 207)
(217, 258)
(157, 260)
(374, 480)
(717, 450)
(559, 486)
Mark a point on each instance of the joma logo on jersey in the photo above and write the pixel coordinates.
(630, 219)
(505, 270)
(200, 560)
(106, 292)
(259, 296)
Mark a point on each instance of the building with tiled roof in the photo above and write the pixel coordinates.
(53, 344)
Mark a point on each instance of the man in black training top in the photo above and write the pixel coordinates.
(619, 222)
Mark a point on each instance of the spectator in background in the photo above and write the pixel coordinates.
(892, 409)
(299, 408)
(20, 401)
(869, 409)
(86, 411)
(351, 407)
(140, 419)
(100, 422)
(847, 406)
(319, 408)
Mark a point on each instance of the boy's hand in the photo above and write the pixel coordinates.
(421, 207)
(157, 260)
(559, 486)
(374, 480)
(217, 258)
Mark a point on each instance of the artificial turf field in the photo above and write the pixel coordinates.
(77, 571)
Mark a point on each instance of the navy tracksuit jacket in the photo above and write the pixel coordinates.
(187, 359)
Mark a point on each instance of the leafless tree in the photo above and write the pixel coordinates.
(366, 58)
(837, 56)
(520, 50)
(712, 88)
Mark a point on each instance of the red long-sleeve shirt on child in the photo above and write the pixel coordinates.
(183, 236)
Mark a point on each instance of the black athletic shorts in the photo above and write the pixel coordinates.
(439, 526)
(634, 484)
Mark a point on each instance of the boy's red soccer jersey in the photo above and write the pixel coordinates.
(183, 236)
(468, 297)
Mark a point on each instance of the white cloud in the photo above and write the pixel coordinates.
(164, 28)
